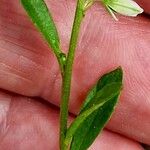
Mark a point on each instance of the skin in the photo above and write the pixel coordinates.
(29, 70)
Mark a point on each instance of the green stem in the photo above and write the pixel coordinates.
(66, 85)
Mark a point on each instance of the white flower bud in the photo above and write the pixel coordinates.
(124, 7)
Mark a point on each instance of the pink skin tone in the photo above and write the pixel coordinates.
(28, 68)
(144, 4)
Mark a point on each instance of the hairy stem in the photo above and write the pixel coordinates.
(66, 85)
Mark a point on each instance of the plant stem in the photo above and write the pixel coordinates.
(66, 85)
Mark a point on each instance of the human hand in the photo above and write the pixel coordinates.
(28, 68)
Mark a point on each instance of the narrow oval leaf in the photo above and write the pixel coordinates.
(99, 105)
(42, 18)
(114, 76)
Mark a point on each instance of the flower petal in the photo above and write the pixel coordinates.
(125, 7)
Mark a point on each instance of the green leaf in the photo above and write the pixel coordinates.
(42, 18)
(96, 111)
(114, 76)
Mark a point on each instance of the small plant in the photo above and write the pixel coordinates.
(102, 99)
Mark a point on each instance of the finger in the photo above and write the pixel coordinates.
(144, 4)
(29, 124)
(23, 62)
(125, 43)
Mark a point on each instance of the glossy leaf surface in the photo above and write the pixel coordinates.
(42, 18)
(96, 111)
